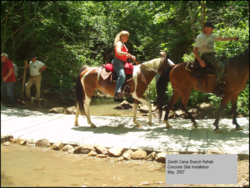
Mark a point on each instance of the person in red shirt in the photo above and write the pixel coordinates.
(121, 55)
(8, 77)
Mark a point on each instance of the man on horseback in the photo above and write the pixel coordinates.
(204, 42)
(121, 55)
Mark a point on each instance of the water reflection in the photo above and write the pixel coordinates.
(105, 107)
(98, 107)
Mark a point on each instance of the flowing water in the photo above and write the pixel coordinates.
(23, 166)
(98, 107)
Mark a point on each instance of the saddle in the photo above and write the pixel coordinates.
(107, 76)
(198, 71)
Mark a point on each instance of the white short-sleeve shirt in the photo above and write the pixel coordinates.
(15, 69)
(205, 42)
(35, 67)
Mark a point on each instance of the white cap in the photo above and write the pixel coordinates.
(163, 53)
(4, 54)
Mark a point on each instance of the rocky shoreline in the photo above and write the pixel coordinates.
(98, 150)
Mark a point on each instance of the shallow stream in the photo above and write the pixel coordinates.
(98, 107)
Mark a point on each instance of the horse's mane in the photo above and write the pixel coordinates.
(152, 64)
(240, 61)
(81, 69)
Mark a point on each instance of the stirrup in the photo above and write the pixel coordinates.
(219, 91)
(127, 91)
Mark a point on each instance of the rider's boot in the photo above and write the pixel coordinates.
(119, 94)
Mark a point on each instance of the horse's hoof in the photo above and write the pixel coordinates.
(138, 125)
(195, 125)
(239, 128)
(217, 130)
(76, 124)
(149, 123)
(168, 126)
(93, 125)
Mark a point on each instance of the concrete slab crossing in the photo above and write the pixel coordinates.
(120, 131)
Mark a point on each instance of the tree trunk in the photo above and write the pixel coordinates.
(203, 13)
(192, 23)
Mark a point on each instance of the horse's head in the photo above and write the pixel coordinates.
(240, 61)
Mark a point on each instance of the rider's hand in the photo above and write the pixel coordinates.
(202, 63)
(133, 57)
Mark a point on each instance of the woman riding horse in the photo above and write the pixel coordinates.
(87, 82)
(121, 55)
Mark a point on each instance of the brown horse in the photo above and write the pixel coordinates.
(183, 82)
(87, 82)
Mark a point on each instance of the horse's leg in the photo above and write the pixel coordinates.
(174, 98)
(234, 107)
(86, 107)
(184, 101)
(142, 99)
(135, 113)
(216, 122)
(189, 115)
(77, 115)
(223, 104)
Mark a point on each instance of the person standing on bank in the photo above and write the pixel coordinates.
(36, 67)
(171, 63)
(157, 76)
(204, 42)
(8, 77)
(121, 55)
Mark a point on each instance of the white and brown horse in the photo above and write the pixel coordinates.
(87, 82)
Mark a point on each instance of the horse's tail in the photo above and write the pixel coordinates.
(161, 88)
(80, 94)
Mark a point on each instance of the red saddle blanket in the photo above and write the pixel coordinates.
(128, 67)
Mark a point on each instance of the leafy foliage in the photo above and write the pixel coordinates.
(67, 35)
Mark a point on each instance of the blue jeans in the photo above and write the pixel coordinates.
(119, 69)
(7, 92)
